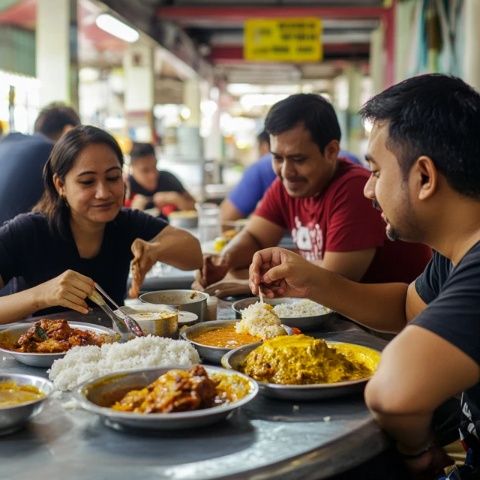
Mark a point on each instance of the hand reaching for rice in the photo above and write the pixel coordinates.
(143, 261)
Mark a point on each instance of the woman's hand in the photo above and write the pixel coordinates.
(70, 289)
(144, 259)
(279, 272)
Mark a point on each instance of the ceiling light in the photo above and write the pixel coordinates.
(115, 27)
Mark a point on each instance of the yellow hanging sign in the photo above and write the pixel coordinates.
(283, 39)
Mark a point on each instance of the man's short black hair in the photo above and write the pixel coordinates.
(313, 111)
(141, 150)
(263, 137)
(437, 116)
(53, 118)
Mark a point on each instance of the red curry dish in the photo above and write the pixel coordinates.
(54, 336)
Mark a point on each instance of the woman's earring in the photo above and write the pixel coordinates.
(65, 201)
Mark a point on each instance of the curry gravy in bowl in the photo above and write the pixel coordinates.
(224, 337)
(21, 398)
(12, 393)
(213, 339)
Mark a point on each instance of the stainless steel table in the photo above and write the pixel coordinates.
(266, 439)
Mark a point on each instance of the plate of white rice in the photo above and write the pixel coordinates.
(85, 363)
(293, 312)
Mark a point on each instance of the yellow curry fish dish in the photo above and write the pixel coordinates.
(303, 360)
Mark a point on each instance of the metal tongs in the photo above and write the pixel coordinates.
(120, 318)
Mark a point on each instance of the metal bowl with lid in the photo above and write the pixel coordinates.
(14, 417)
(159, 320)
(188, 300)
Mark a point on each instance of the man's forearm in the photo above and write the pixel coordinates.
(240, 250)
(178, 248)
(411, 433)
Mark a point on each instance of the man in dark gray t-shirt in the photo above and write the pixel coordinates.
(424, 156)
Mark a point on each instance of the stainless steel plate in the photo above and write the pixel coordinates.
(236, 358)
(96, 396)
(13, 418)
(305, 324)
(43, 360)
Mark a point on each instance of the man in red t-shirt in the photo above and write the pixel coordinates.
(319, 198)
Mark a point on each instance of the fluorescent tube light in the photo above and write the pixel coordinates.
(115, 27)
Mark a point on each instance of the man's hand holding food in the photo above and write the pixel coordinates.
(281, 273)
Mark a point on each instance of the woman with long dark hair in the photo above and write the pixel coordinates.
(79, 233)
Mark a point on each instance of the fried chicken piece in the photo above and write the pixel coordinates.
(51, 346)
(56, 329)
(55, 336)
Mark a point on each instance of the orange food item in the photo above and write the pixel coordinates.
(174, 391)
(184, 390)
(225, 337)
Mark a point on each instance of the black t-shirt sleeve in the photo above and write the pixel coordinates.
(428, 284)
(137, 224)
(455, 313)
(13, 234)
(168, 182)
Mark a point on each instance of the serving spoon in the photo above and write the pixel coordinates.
(124, 322)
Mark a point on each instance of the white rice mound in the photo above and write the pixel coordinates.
(84, 363)
(260, 320)
(302, 308)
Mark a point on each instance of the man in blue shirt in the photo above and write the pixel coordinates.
(255, 181)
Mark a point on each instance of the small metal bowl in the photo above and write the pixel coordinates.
(187, 319)
(163, 321)
(305, 324)
(208, 353)
(13, 418)
(97, 395)
(188, 300)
